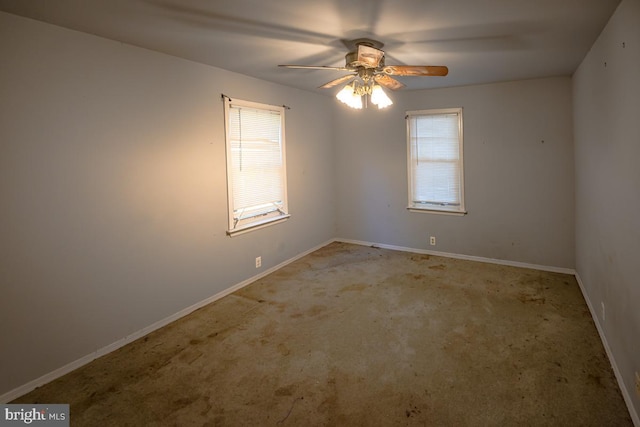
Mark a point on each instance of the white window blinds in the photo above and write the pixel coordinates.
(256, 170)
(435, 160)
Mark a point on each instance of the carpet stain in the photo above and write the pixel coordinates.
(280, 306)
(533, 299)
(596, 380)
(316, 310)
(285, 391)
(355, 287)
(269, 329)
(182, 402)
(189, 357)
(412, 411)
(439, 267)
(283, 349)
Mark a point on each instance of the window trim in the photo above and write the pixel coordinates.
(432, 208)
(271, 217)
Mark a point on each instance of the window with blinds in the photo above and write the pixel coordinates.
(256, 166)
(435, 164)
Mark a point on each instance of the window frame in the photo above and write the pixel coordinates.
(434, 207)
(271, 217)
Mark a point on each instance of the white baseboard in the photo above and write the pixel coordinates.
(31, 385)
(626, 394)
(464, 257)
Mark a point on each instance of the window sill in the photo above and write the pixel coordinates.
(437, 211)
(257, 225)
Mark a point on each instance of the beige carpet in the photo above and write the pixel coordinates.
(358, 336)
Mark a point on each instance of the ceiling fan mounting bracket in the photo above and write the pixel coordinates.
(366, 42)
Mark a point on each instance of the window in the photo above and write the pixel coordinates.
(434, 139)
(256, 167)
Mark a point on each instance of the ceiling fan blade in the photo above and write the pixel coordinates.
(416, 70)
(316, 67)
(388, 82)
(337, 81)
(369, 57)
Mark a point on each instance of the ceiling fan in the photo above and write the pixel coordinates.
(366, 63)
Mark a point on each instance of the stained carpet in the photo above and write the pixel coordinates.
(359, 336)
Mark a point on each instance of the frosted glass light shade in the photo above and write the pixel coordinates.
(379, 97)
(348, 96)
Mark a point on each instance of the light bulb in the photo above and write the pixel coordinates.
(379, 97)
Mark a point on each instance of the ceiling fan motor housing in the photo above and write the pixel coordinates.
(351, 61)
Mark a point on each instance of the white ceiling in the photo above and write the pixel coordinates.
(481, 41)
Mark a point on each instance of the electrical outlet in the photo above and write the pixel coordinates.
(603, 312)
(638, 384)
(258, 262)
(432, 240)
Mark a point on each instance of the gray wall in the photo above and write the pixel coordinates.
(607, 139)
(518, 190)
(113, 191)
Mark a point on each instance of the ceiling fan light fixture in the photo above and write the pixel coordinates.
(353, 93)
(379, 97)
